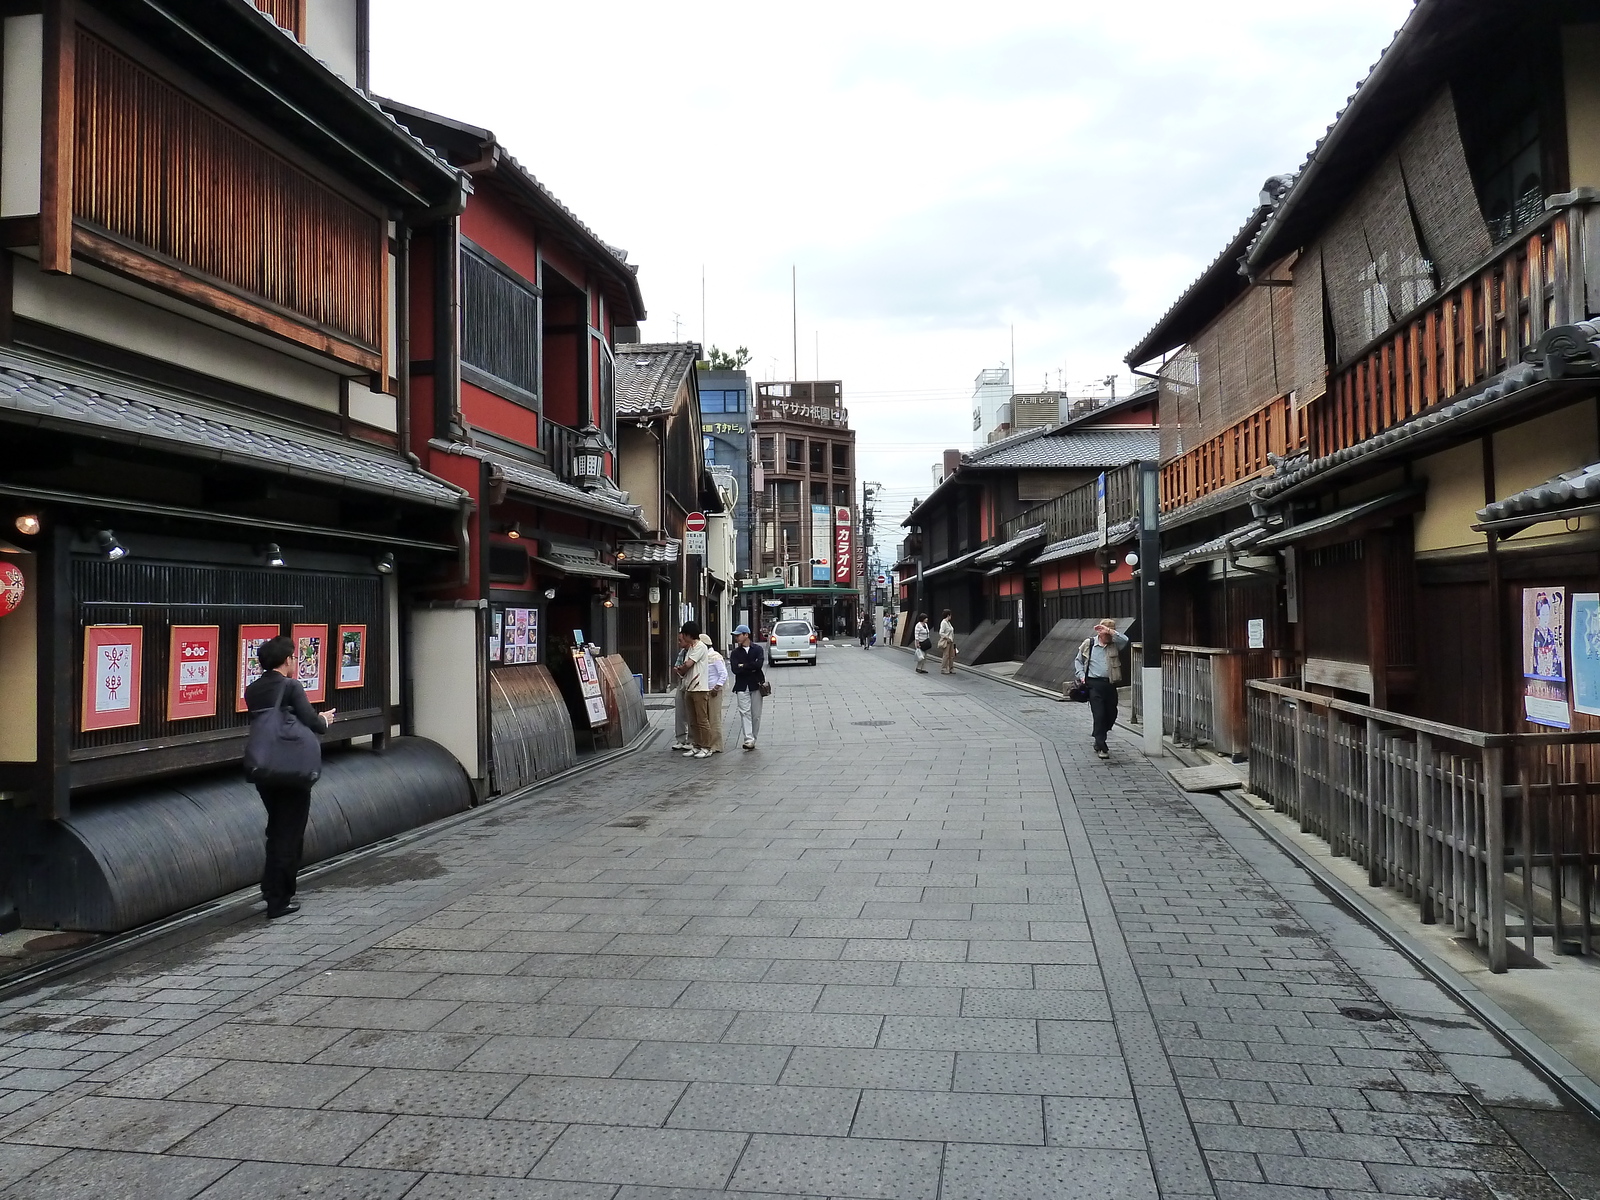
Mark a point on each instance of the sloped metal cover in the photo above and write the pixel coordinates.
(1050, 665)
(532, 732)
(136, 856)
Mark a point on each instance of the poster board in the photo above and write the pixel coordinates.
(192, 671)
(352, 656)
(594, 700)
(1585, 655)
(113, 657)
(497, 619)
(311, 660)
(519, 633)
(250, 639)
(1544, 673)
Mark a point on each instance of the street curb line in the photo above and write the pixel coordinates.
(1556, 1069)
(116, 944)
(1021, 687)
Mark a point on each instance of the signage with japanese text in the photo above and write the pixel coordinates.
(844, 555)
(251, 638)
(192, 672)
(112, 659)
(311, 660)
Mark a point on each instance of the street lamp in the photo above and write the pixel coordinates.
(589, 458)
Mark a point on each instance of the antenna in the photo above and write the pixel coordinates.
(794, 317)
(702, 306)
(676, 322)
(817, 348)
(1013, 352)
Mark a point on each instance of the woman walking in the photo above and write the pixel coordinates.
(749, 679)
(717, 685)
(288, 804)
(865, 632)
(947, 644)
(922, 638)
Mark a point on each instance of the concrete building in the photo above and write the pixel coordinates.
(991, 403)
(725, 441)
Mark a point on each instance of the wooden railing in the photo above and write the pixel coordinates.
(1234, 455)
(1469, 333)
(559, 443)
(289, 14)
(1427, 810)
(1203, 696)
(1076, 512)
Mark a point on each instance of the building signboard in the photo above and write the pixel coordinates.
(821, 543)
(844, 551)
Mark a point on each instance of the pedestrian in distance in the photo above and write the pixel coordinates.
(865, 632)
(947, 644)
(922, 638)
(277, 702)
(750, 687)
(696, 688)
(717, 686)
(1099, 666)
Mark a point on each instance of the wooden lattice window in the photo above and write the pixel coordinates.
(155, 168)
(499, 324)
(289, 14)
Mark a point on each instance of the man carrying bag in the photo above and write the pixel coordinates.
(283, 758)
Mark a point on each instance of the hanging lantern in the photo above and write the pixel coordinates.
(12, 585)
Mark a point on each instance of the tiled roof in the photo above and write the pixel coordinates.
(541, 485)
(1070, 448)
(1570, 489)
(650, 374)
(1008, 550)
(1210, 505)
(1085, 542)
(948, 565)
(39, 392)
(633, 554)
(1218, 547)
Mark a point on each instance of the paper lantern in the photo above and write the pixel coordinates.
(12, 586)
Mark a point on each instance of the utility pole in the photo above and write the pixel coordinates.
(1150, 602)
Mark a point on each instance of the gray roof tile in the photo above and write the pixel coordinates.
(1070, 448)
(55, 396)
(1570, 489)
(650, 374)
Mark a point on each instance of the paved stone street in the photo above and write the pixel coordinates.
(920, 946)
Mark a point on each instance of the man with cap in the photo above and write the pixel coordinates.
(748, 664)
(1099, 665)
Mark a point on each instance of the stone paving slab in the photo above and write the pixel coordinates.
(950, 956)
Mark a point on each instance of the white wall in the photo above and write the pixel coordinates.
(446, 654)
(331, 35)
(81, 302)
(22, 117)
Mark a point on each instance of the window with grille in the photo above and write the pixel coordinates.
(500, 328)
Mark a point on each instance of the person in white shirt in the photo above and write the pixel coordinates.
(922, 638)
(947, 644)
(716, 688)
(1099, 665)
(696, 689)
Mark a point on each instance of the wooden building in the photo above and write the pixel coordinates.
(1011, 542)
(203, 443)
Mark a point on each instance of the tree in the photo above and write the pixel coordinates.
(722, 361)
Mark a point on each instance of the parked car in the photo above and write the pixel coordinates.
(792, 642)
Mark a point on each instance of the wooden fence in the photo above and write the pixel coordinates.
(1203, 693)
(1464, 823)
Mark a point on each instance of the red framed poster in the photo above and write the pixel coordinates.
(250, 639)
(192, 672)
(352, 656)
(311, 660)
(112, 658)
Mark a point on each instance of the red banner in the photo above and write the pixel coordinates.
(112, 659)
(844, 556)
(192, 672)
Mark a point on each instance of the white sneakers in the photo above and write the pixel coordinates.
(749, 743)
(701, 753)
(680, 746)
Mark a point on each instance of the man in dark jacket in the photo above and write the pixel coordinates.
(287, 806)
(748, 663)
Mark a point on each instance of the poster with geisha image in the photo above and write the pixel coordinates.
(251, 638)
(112, 661)
(192, 672)
(352, 656)
(1544, 659)
(311, 660)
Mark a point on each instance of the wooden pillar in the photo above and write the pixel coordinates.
(447, 329)
(1495, 710)
(1376, 553)
(58, 700)
(58, 136)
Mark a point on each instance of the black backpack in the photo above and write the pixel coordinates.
(280, 751)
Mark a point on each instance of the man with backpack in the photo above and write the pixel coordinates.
(283, 759)
(1099, 667)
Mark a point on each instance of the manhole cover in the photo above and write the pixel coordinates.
(57, 941)
(1366, 1014)
(874, 724)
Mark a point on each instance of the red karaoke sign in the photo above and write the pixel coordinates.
(843, 547)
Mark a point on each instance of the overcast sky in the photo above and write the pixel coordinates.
(936, 173)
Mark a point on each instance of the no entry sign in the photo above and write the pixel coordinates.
(695, 522)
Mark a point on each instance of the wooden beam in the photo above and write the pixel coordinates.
(176, 281)
(58, 137)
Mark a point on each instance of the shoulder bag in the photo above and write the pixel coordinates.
(279, 751)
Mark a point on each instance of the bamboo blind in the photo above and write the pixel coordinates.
(1440, 186)
(155, 167)
(1310, 344)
